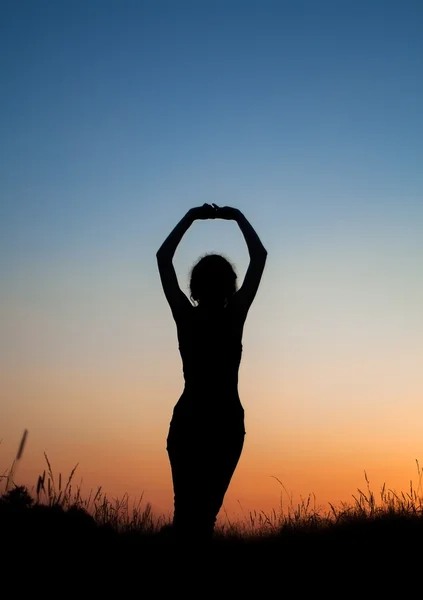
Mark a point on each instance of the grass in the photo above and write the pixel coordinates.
(54, 519)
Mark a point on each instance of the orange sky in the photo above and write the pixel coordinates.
(117, 434)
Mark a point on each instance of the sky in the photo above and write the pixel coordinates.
(116, 117)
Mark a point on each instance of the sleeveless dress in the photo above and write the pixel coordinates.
(206, 433)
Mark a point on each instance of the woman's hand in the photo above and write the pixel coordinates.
(213, 211)
(227, 212)
(207, 211)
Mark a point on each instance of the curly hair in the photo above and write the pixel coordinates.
(213, 277)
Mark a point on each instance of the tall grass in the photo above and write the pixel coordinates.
(117, 513)
(57, 492)
(306, 515)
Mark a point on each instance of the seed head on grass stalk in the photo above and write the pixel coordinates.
(62, 497)
(17, 459)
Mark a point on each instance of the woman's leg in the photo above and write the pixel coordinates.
(186, 456)
(223, 459)
(202, 468)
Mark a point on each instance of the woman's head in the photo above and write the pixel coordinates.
(213, 280)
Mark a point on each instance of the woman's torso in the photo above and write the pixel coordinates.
(210, 344)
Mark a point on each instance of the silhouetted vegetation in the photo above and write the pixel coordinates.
(55, 522)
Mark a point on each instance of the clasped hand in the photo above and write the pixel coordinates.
(213, 211)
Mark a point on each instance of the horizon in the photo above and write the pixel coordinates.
(117, 118)
(289, 504)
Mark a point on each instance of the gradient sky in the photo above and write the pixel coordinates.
(116, 117)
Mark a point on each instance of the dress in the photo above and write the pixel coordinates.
(206, 433)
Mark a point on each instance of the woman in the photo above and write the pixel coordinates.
(206, 433)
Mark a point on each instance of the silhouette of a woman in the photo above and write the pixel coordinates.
(206, 433)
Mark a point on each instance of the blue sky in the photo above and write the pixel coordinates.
(117, 117)
(114, 113)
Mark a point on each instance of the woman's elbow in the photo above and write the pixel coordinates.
(163, 257)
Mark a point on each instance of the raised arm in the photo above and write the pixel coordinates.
(174, 295)
(258, 255)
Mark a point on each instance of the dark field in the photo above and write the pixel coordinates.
(372, 547)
